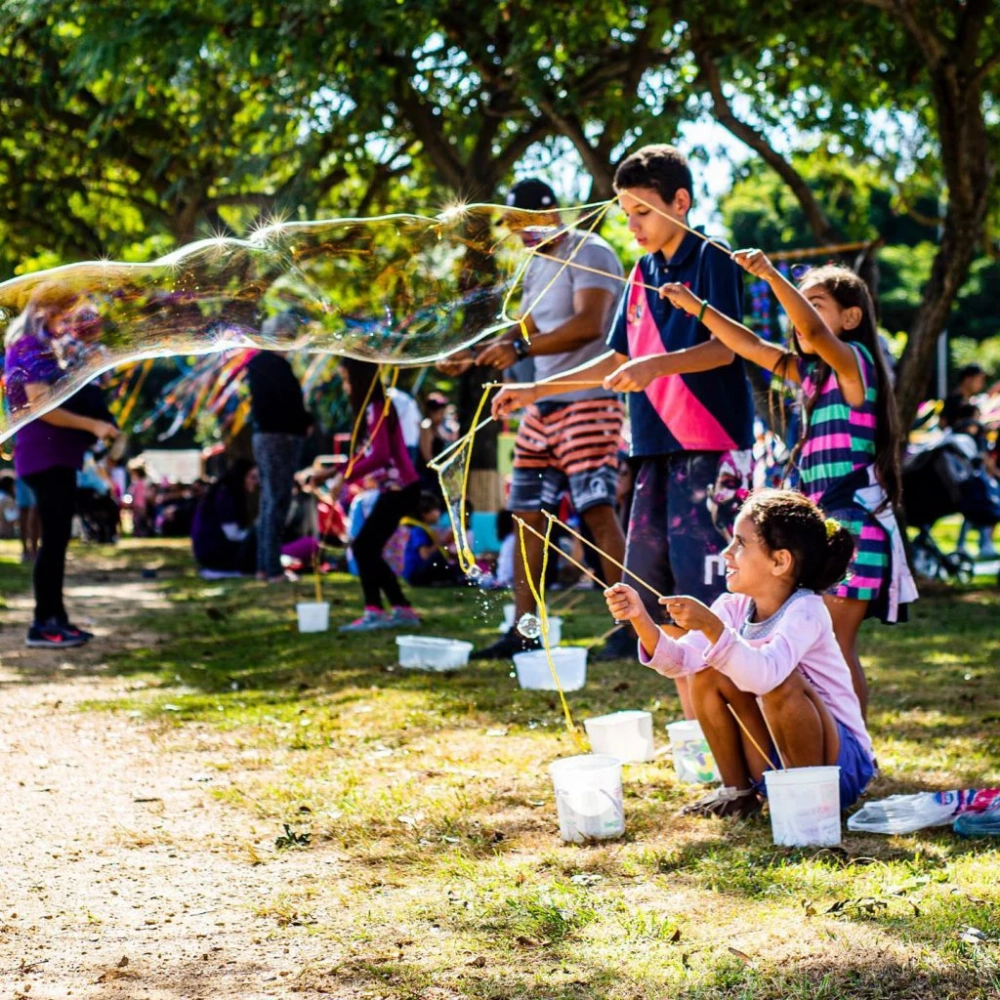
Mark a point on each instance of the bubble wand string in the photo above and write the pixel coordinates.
(604, 555)
(598, 215)
(770, 732)
(358, 418)
(464, 547)
(746, 732)
(583, 569)
(544, 620)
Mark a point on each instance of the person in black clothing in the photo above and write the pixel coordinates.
(433, 441)
(280, 424)
(222, 535)
(971, 382)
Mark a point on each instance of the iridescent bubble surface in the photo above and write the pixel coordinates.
(530, 626)
(400, 289)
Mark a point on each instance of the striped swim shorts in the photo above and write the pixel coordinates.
(572, 446)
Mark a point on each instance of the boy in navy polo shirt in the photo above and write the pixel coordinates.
(689, 399)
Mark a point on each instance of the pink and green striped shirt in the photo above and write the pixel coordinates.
(840, 440)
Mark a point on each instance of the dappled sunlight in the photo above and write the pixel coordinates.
(431, 841)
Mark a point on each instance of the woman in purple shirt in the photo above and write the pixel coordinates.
(49, 451)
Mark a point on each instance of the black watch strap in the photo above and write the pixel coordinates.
(521, 348)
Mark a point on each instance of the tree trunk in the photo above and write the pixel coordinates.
(951, 267)
(969, 171)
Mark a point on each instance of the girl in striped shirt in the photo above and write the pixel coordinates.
(848, 455)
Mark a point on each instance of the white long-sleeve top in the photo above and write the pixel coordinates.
(758, 656)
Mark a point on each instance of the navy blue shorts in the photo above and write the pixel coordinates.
(683, 509)
(856, 768)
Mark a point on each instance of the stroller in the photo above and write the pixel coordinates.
(947, 477)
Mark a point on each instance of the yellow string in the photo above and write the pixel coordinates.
(386, 403)
(131, 401)
(467, 559)
(583, 569)
(597, 216)
(544, 621)
(358, 418)
(552, 519)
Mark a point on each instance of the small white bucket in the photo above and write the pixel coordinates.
(314, 616)
(424, 652)
(625, 735)
(693, 758)
(589, 799)
(805, 806)
(534, 673)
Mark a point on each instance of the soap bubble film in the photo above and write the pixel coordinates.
(400, 289)
(530, 626)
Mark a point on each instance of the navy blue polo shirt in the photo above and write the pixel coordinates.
(703, 408)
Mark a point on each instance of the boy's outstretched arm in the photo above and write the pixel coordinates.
(635, 374)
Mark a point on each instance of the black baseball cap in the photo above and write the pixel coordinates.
(531, 195)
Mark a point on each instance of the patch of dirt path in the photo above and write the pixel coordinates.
(120, 874)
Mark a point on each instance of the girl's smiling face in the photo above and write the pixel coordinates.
(752, 568)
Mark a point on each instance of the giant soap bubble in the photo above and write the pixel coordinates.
(400, 289)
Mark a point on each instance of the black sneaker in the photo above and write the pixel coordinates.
(52, 635)
(620, 645)
(506, 646)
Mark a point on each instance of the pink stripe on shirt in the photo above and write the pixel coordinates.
(826, 442)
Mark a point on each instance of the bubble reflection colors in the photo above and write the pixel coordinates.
(530, 626)
(401, 289)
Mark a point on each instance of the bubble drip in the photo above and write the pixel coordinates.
(530, 626)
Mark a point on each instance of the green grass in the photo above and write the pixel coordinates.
(431, 794)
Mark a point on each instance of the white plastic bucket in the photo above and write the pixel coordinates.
(424, 652)
(625, 735)
(693, 759)
(314, 616)
(589, 799)
(534, 673)
(805, 806)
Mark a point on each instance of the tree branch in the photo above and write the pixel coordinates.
(708, 72)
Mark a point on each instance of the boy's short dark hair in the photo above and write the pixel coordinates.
(660, 167)
(967, 371)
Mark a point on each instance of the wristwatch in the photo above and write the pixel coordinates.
(521, 348)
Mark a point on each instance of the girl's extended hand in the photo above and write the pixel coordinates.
(756, 263)
(681, 297)
(692, 615)
(623, 602)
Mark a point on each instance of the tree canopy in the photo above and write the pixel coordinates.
(128, 128)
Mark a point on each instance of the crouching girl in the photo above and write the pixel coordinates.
(767, 649)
